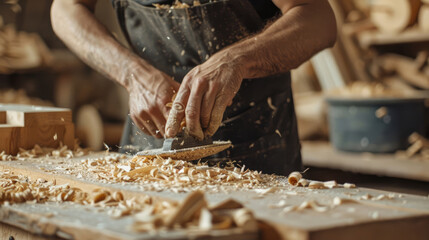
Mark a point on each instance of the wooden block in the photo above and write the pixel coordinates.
(24, 126)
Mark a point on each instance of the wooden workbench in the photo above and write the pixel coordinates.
(402, 217)
(322, 154)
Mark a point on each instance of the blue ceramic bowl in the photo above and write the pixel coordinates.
(377, 125)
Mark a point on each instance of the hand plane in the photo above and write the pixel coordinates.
(186, 147)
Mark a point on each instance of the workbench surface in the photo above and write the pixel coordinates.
(323, 154)
(398, 216)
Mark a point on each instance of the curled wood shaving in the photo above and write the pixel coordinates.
(166, 174)
(38, 152)
(244, 218)
(303, 182)
(149, 214)
(294, 178)
(270, 104)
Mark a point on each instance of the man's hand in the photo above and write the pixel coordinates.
(204, 94)
(148, 101)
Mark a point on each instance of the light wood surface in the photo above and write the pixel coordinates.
(398, 218)
(393, 16)
(23, 126)
(7, 231)
(424, 17)
(322, 154)
(407, 68)
(411, 35)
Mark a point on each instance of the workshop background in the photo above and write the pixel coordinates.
(362, 106)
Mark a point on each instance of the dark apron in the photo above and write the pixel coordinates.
(264, 135)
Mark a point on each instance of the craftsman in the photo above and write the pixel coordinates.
(226, 61)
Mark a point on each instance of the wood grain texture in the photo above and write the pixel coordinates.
(363, 219)
(23, 126)
(7, 231)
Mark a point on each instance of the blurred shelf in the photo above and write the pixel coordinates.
(322, 154)
(375, 37)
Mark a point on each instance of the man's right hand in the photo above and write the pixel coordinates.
(149, 95)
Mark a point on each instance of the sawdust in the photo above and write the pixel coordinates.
(176, 5)
(160, 174)
(150, 214)
(44, 152)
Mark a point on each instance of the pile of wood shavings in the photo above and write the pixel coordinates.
(160, 174)
(19, 189)
(176, 5)
(37, 152)
(149, 214)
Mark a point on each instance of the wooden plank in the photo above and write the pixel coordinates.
(411, 35)
(74, 221)
(406, 213)
(322, 154)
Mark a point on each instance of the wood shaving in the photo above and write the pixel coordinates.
(160, 174)
(316, 185)
(366, 197)
(303, 182)
(40, 152)
(330, 184)
(310, 204)
(264, 192)
(150, 214)
(381, 112)
(337, 201)
(244, 219)
(270, 104)
(294, 178)
(176, 5)
(419, 147)
(281, 204)
(349, 185)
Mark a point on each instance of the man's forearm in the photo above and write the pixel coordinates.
(75, 23)
(301, 32)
